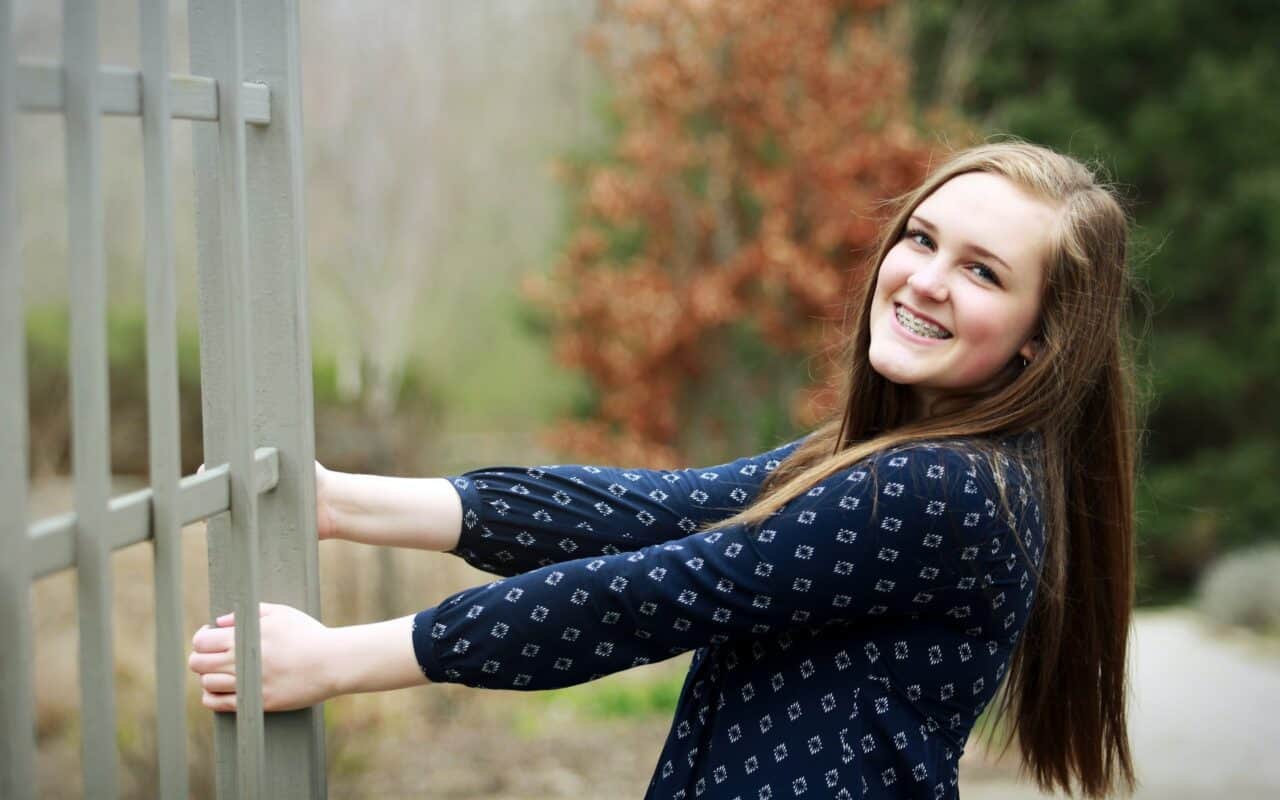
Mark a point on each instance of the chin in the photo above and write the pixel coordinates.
(891, 372)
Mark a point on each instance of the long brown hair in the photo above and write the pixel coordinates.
(1065, 692)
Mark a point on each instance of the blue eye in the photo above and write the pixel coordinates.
(985, 273)
(919, 237)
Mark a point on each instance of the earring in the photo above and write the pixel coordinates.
(1025, 362)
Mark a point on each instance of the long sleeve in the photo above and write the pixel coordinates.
(905, 534)
(520, 518)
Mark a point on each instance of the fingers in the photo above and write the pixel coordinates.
(213, 651)
(213, 656)
(217, 671)
(218, 683)
(207, 663)
(218, 702)
(229, 619)
(213, 640)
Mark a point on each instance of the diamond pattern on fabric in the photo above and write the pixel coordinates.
(843, 648)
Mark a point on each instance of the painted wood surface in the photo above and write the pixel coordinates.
(256, 381)
(17, 690)
(90, 454)
(279, 364)
(163, 434)
(120, 93)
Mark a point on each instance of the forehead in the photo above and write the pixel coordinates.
(991, 212)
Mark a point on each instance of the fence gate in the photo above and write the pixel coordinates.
(256, 385)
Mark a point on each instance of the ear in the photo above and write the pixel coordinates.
(1030, 348)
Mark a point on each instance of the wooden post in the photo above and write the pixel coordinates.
(163, 433)
(256, 375)
(91, 456)
(17, 707)
(279, 359)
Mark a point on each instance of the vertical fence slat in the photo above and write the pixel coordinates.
(282, 366)
(162, 402)
(216, 50)
(17, 711)
(91, 458)
(250, 744)
(281, 356)
(214, 364)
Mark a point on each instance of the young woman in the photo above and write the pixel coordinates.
(854, 598)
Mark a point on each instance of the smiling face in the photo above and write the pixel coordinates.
(957, 298)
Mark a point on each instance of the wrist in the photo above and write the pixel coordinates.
(338, 673)
(330, 669)
(372, 658)
(326, 523)
(349, 516)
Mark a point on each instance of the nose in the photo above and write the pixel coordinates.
(928, 281)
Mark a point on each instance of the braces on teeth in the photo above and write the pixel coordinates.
(919, 326)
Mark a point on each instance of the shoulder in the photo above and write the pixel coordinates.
(965, 472)
(937, 463)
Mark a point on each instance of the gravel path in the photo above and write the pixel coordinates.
(1204, 715)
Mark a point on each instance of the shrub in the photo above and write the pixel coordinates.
(1242, 589)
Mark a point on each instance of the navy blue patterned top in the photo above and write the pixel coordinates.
(843, 648)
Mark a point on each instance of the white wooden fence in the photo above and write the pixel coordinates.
(256, 386)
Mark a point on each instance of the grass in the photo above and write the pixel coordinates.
(645, 693)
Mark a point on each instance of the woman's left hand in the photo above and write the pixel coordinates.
(296, 650)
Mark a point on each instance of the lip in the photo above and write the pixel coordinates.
(915, 336)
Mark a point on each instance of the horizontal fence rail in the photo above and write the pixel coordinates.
(255, 374)
(40, 89)
(129, 518)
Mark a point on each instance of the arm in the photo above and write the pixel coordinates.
(920, 538)
(520, 518)
(421, 513)
(303, 661)
(901, 537)
(509, 520)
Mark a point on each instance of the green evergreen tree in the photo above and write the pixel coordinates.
(1176, 98)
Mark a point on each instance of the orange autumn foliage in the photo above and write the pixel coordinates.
(713, 250)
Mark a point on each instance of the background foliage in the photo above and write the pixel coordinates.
(714, 212)
(713, 240)
(725, 161)
(1176, 99)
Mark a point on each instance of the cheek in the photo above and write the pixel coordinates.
(894, 271)
(994, 332)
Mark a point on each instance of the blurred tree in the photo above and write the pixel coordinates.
(428, 131)
(383, 258)
(714, 241)
(375, 155)
(1176, 97)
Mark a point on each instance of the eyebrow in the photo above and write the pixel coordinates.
(981, 251)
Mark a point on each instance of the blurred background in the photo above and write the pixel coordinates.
(625, 232)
